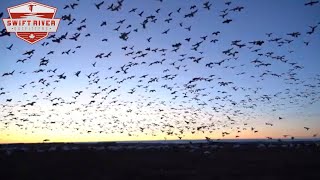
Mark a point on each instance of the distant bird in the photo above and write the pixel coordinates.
(99, 4)
(83, 21)
(31, 52)
(227, 21)
(9, 48)
(104, 23)
(8, 74)
(133, 10)
(312, 30)
(77, 73)
(207, 5)
(311, 3)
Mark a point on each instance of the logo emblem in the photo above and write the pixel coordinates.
(31, 21)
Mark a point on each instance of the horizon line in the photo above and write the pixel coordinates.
(176, 140)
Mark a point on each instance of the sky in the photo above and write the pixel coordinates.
(165, 108)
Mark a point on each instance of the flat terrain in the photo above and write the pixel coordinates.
(105, 162)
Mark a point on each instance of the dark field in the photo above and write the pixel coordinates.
(160, 162)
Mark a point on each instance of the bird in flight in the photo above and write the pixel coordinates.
(311, 3)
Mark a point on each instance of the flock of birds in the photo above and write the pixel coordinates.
(160, 90)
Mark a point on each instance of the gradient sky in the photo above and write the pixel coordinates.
(297, 102)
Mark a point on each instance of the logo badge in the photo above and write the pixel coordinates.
(31, 21)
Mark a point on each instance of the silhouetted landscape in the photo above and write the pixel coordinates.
(254, 160)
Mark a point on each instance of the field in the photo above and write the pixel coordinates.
(157, 161)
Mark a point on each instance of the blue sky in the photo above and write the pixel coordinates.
(251, 24)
